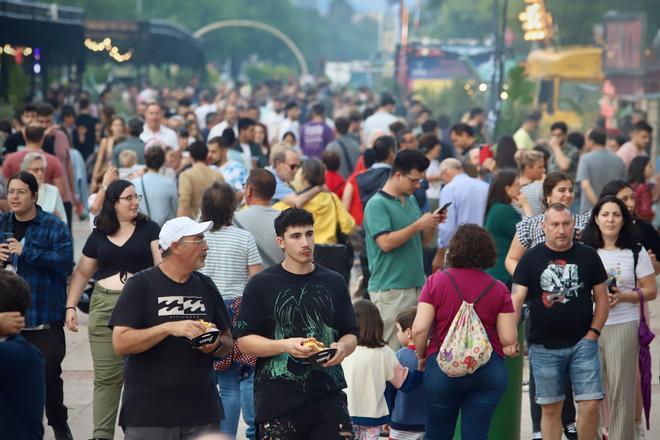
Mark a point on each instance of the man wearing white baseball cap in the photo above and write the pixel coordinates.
(169, 383)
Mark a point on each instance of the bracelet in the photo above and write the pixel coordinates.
(595, 330)
(72, 308)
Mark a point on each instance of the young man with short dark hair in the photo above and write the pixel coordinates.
(640, 138)
(564, 156)
(195, 180)
(282, 307)
(250, 151)
(393, 226)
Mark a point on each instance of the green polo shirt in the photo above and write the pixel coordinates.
(400, 268)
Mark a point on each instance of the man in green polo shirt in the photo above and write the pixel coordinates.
(393, 224)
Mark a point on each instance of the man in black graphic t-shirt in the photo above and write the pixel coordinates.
(562, 281)
(169, 386)
(282, 306)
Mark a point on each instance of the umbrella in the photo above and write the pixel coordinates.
(646, 336)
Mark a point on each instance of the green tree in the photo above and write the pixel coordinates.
(333, 37)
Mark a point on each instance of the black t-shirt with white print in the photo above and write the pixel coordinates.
(559, 292)
(170, 384)
(278, 304)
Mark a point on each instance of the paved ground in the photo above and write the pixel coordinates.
(78, 375)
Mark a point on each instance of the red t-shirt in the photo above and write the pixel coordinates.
(441, 294)
(335, 182)
(12, 165)
(356, 210)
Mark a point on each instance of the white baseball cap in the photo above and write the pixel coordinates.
(173, 230)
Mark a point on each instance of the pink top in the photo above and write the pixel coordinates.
(628, 152)
(441, 294)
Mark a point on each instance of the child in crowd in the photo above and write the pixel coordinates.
(333, 180)
(408, 414)
(128, 164)
(368, 370)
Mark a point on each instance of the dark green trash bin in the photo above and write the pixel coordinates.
(505, 424)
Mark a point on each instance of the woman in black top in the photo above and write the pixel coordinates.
(122, 243)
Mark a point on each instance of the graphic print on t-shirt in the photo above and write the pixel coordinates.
(180, 306)
(300, 312)
(614, 274)
(560, 283)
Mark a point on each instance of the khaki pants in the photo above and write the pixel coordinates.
(108, 375)
(390, 303)
(619, 348)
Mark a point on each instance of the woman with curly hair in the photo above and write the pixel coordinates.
(476, 395)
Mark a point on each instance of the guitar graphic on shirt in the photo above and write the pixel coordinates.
(560, 283)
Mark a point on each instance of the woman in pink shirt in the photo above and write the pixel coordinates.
(475, 395)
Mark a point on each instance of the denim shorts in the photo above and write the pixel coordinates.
(551, 367)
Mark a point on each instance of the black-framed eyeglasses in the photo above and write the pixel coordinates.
(132, 197)
(293, 166)
(413, 180)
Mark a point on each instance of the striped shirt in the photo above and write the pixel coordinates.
(231, 251)
(530, 231)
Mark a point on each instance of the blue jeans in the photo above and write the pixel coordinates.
(236, 393)
(553, 366)
(476, 396)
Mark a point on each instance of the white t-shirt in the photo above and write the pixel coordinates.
(288, 125)
(216, 130)
(367, 372)
(434, 187)
(619, 263)
(201, 113)
(231, 251)
(378, 121)
(165, 136)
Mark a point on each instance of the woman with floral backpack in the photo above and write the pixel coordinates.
(469, 316)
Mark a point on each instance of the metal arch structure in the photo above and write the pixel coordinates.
(304, 69)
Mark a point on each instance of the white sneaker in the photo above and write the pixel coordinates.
(537, 435)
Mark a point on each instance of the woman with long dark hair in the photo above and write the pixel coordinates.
(501, 217)
(116, 134)
(122, 243)
(646, 233)
(612, 233)
(505, 153)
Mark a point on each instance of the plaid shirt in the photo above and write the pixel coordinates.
(530, 233)
(45, 263)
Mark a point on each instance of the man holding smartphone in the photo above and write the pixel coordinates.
(41, 252)
(393, 225)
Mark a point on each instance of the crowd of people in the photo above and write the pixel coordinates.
(239, 217)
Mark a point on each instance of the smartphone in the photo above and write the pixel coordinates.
(5, 238)
(443, 208)
(611, 285)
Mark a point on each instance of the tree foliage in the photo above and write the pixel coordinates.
(333, 37)
(575, 20)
